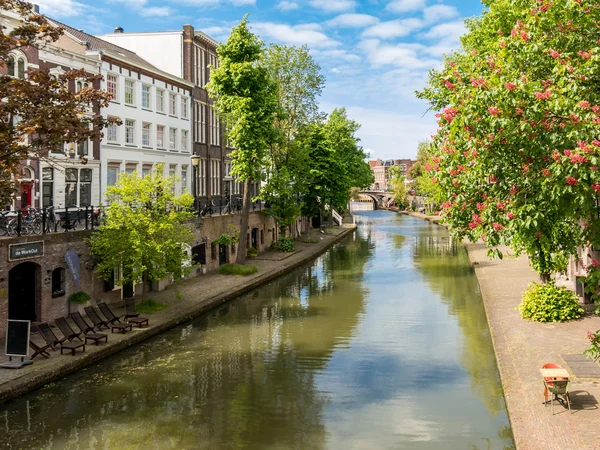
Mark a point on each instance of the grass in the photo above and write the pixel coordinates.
(237, 269)
(150, 306)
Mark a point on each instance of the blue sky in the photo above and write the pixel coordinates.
(374, 53)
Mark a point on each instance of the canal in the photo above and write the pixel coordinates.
(381, 343)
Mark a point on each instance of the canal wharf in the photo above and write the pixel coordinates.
(186, 300)
(522, 347)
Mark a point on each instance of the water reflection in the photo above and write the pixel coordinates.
(380, 343)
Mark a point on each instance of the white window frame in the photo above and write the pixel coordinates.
(130, 88)
(146, 133)
(202, 178)
(215, 176)
(112, 132)
(147, 99)
(184, 105)
(172, 104)
(160, 141)
(160, 100)
(184, 140)
(112, 86)
(172, 138)
(130, 125)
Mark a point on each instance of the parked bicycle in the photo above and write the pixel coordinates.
(207, 209)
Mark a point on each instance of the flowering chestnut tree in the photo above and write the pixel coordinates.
(518, 146)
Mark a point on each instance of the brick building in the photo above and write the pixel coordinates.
(381, 171)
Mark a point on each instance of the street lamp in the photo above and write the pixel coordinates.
(196, 166)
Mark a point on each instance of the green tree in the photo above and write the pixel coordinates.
(146, 230)
(245, 96)
(516, 153)
(422, 184)
(397, 184)
(299, 83)
(39, 113)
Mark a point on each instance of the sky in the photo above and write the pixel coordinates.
(373, 53)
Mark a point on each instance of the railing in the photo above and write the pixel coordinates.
(40, 221)
(337, 217)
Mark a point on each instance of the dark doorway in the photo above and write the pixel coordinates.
(23, 291)
(222, 254)
(127, 290)
(255, 238)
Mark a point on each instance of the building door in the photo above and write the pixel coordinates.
(23, 291)
(222, 254)
(255, 238)
(26, 195)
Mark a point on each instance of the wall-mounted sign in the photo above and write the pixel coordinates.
(25, 251)
(72, 260)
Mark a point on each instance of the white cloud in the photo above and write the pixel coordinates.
(60, 8)
(408, 56)
(352, 21)
(213, 3)
(333, 5)
(436, 13)
(393, 28)
(155, 11)
(335, 70)
(335, 55)
(294, 35)
(401, 6)
(450, 31)
(287, 6)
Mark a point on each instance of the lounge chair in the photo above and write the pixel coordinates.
(95, 318)
(87, 329)
(139, 321)
(51, 339)
(66, 329)
(37, 350)
(92, 314)
(130, 308)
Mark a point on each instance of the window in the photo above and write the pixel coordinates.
(160, 136)
(200, 124)
(213, 61)
(202, 178)
(146, 96)
(214, 127)
(146, 170)
(200, 67)
(146, 134)
(85, 187)
(16, 66)
(184, 172)
(130, 131)
(130, 168)
(11, 64)
(184, 141)
(112, 175)
(111, 86)
(172, 172)
(58, 282)
(79, 85)
(82, 148)
(129, 92)
(47, 186)
(21, 68)
(111, 132)
(184, 107)
(172, 139)
(172, 104)
(215, 177)
(160, 100)
(71, 187)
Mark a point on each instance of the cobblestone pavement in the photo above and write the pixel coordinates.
(186, 300)
(522, 347)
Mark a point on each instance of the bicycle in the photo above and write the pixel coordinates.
(207, 210)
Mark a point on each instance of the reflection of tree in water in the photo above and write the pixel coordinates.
(445, 266)
(242, 376)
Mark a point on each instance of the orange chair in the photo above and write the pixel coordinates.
(548, 381)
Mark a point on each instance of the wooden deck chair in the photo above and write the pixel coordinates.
(95, 318)
(110, 317)
(139, 321)
(66, 329)
(87, 329)
(51, 339)
(37, 350)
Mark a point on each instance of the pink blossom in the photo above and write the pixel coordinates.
(493, 179)
(427, 167)
(500, 205)
(596, 143)
(493, 110)
(584, 104)
(596, 109)
(543, 95)
(510, 215)
(497, 226)
(538, 234)
(524, 35)
(571, 181)
(554, 54)
(596, 186)
(579, 159)
(510, 86)
(449, 114)
(568, 152)
(449, 85)
(546, 172)
(584, 55)
(519, 111)
(446, 205)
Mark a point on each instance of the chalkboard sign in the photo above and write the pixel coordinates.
(17, 338)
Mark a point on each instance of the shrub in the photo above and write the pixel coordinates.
(251, 252)
(286, 244)
(593, 351)
(310, 241)
(549, 303)
(237, 269)
(79, 297)
(150, 306)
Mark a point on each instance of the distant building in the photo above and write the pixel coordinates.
(381, 171)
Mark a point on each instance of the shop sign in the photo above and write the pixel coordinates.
(25, 251)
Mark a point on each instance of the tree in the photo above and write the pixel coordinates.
(299, 83)
(146, 230)
(39, 113)
(397, 184)
(422, 184)
(245, 96)
(516, 153)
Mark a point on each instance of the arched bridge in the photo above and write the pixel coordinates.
(376, 199)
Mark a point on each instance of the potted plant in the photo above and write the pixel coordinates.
(79, 298)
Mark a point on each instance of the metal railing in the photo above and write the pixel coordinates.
(37, 221)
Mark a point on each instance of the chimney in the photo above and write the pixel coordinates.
(119, 30)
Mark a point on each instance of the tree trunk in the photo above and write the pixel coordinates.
(145, 284)
(330, 215)
(544, 277)
(241, 254)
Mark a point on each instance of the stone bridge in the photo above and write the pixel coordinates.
(378, 199)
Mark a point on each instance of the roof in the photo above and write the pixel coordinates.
(94, 43)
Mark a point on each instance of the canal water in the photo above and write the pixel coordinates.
(381, 343)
